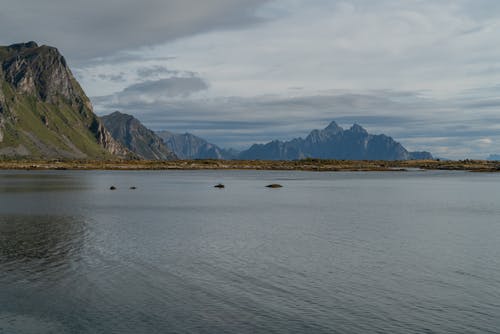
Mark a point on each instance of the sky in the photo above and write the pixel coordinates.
(426, 72)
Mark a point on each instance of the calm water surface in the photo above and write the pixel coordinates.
(415, 252)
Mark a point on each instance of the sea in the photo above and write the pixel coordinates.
(340, 252)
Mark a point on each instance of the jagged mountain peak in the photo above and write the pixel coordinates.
(189, 146)
(334, 143)
(23, 46)
(333, 127)
(44, 111)
(356, 128)
(119, 113)
(41, 71)
(119, 116)
(131, 133)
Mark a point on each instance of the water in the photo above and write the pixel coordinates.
(415, 252)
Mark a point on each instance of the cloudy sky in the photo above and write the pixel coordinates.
(426, 72)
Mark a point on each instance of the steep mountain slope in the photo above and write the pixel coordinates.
(188, 146)
(128, 131)
(333, 142)
(44, 112)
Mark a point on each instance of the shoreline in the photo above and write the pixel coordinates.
(299, 165)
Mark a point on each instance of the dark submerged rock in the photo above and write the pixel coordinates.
(112, 188)
(274, 185)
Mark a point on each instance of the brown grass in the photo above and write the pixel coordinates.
(305, 165)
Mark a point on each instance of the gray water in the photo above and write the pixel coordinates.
(413, 252)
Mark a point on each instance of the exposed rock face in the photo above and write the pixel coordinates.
(44, 112)
(2, 105)
(333, 142)
(1, 127)
(2, 96)
(108, 142)
(128, 131)
(188, 146)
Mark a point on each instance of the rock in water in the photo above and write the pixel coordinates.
(274, 185)
(220, 186)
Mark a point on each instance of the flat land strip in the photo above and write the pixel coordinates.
(305, 165)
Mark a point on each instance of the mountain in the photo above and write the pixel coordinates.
(494, 157)
(188, 146)
(129, 132)
(334, 142)
(44, 112)
(421, 155)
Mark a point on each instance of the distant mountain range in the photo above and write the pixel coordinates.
(494, 157)
(188, 146)
(129, 132)
(44, 112)
(162, 145)
(333, 142)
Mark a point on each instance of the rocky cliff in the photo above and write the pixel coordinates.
(44, 112)
(129, 131)
(334, 142)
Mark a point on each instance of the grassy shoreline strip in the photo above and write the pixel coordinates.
(298, 165)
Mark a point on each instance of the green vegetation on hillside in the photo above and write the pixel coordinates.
(44, 112)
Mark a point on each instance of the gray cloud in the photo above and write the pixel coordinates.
(153, 91)
(486, 103)
(440, 126)
(90, 28)
(156, 70)
(420, 71)
(112, 77)
(171, 87)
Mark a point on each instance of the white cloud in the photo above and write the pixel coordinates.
(424, 71)
(356, 45)
(484, 142)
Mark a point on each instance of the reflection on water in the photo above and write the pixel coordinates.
(414, 252)
(35, 244)
(26, 182)
(23, 324)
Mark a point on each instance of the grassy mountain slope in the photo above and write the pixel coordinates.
(44, 112)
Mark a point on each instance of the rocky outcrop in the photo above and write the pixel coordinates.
(106, 140)
(1, 127)
(188, 146)
(42, 71)
(44, 110)
(2, 103)
(129, 132)
(334, 142)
